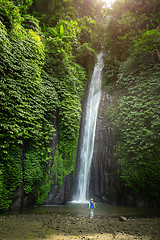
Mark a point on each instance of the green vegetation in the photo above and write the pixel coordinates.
(138, 136)
(47, 51)
(42, 86)
(132, 69)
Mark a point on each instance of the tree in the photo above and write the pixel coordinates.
(149, 41)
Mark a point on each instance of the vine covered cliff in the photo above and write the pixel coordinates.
(47, 53)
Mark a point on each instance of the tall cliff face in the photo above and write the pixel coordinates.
(105, 183)
(104, 180)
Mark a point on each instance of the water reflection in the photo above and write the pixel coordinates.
(104, 210)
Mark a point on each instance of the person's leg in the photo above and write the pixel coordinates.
(91, 212)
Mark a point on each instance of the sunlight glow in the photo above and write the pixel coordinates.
(108, 2)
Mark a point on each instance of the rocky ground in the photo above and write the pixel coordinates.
(51, 226)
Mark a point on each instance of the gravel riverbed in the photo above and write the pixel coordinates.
(51, 226)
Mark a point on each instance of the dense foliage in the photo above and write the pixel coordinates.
(25, 129)
(132, 73)
(41, 84)
(47, 51)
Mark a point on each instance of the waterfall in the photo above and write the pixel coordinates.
(87, 145)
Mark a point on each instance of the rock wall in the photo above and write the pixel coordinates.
(105, 183)
(59, 195)
(104, 180)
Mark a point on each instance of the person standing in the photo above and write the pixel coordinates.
(92, 207)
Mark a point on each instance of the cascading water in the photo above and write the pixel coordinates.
(87, 147)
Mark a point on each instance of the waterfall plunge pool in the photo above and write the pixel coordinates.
(102, 210)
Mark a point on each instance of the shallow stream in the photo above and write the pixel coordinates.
(104, 210)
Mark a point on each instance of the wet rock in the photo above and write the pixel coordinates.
(104, 180)
(123, 219)
(59, 195)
